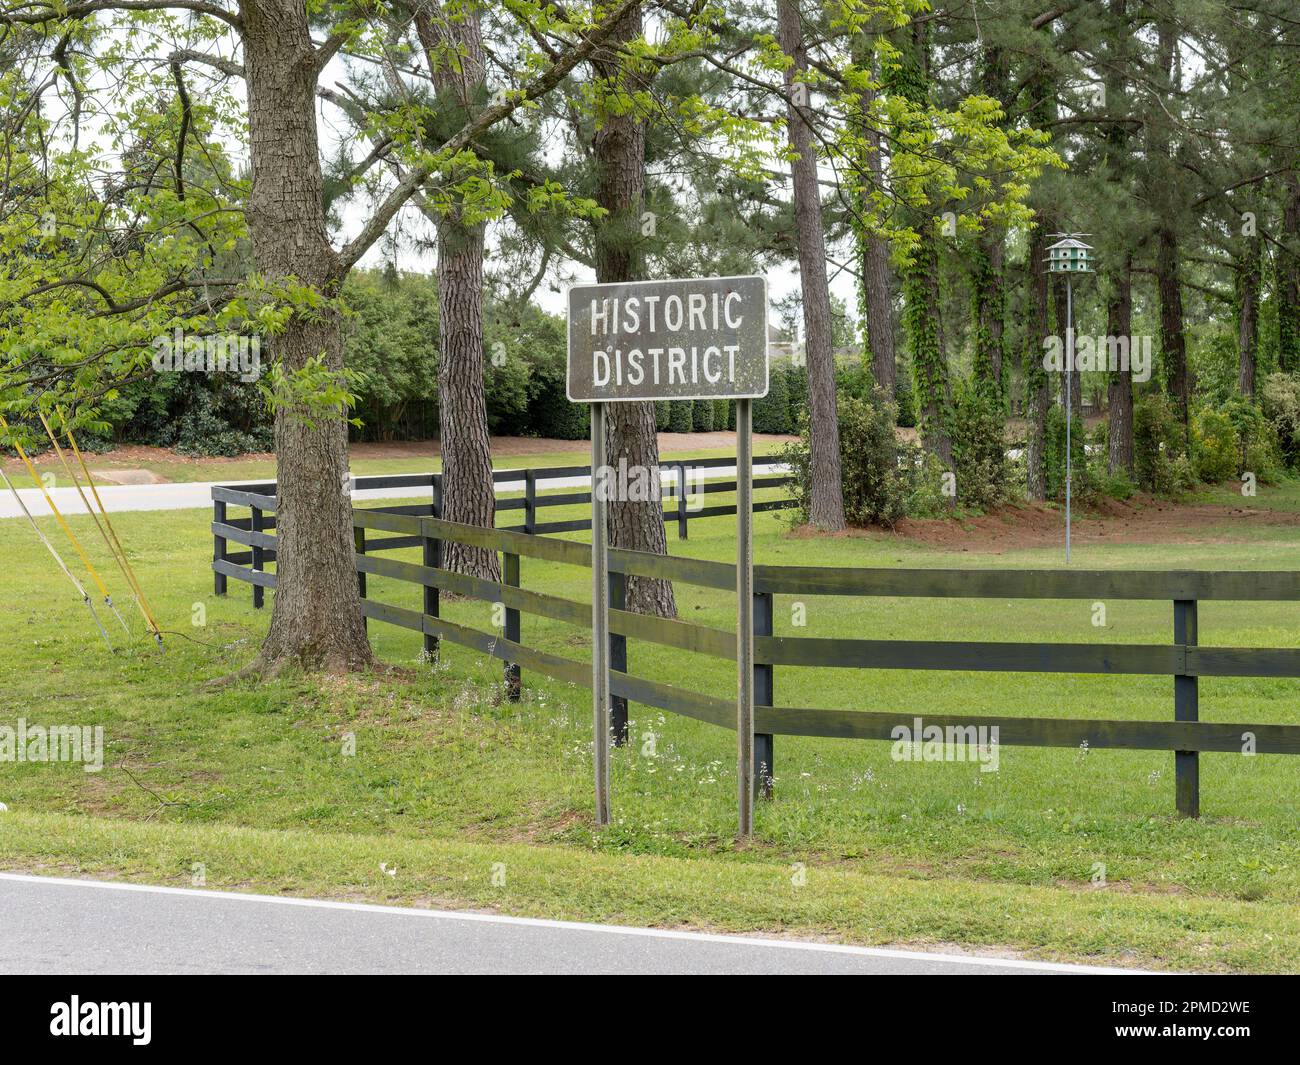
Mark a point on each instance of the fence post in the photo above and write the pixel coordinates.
(681, 501)
(258, 559)
(359, 544)
(432, 548)
(510, 576)
(618, 658)
(218, 546)
(530, 501)
(1187, 767)
(764, 744)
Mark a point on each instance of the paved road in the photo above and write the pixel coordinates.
(51, 925)
(182, 496)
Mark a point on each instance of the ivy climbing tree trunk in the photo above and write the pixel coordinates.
(1038, 392)
(826, 483)
(619, 150)
(316, 620)
(922, 314)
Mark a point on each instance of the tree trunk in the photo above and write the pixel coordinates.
(876, 301)
(468, 495)
(1173, 343)
(1119, 308)
(316, 621)
(1119, 389)
(987, 300)
(1037, 384)
(988, 283)
(1248, 281)
(619, 147)
(826, 488)
(1288, 277)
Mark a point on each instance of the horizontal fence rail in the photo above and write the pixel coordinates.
(396, 527)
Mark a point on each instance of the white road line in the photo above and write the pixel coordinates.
(580, 926)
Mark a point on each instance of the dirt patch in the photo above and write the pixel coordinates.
(127, 476)
(1140, 520)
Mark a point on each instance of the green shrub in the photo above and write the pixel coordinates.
(1280, 399)
(1159, 451)
(663, 414)
(875, 486)
(720, 414)
(550, 414)
(702, 416)
(1081, 481)
(796, 386)
(1215, 446)
(1258, 450)
(731, 414)
(679, 416)
(772, 412)
(979, 450)
(905, 398)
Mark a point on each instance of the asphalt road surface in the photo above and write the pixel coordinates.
(186, 495)
(90, 927)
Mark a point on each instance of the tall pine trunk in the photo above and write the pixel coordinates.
(1248, 284)
(619, 149)
(875, 288)
(1288, 276)
(316, 620)
(468, 495)
(1119, 323)
(826, 487)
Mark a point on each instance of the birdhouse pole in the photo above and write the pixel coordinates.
(1069, 255)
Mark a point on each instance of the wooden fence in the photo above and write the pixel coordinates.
(1183, 659)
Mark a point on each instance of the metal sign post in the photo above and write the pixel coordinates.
(745, 616)
(685, 339)
(599, 617)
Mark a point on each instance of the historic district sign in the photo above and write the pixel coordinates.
(697, 338)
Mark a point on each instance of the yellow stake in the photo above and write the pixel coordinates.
(120, 552)
(103, 588)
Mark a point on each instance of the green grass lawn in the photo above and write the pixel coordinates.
(448, 780)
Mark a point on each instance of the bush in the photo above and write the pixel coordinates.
(1054, 456)
(1257, 449)
(1215, 446)
(663, 414)
(875, 487)
(772, 412)
(1159, 451)
(796, 387)
(702, 416)
(1280, 398)
(979, 449)
(550, 414)
(731, 414)
(720, 414)
(679, 416)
